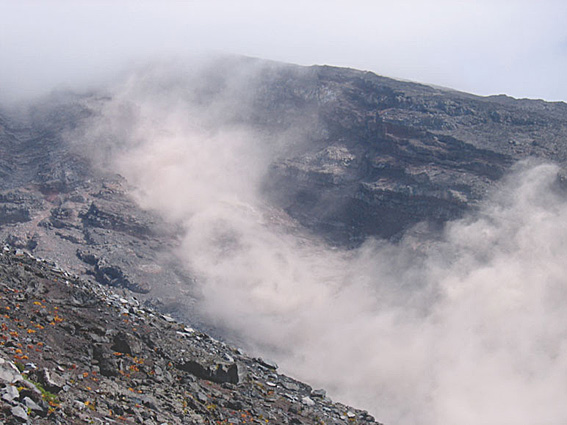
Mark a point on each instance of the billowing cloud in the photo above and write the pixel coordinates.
(466, 328)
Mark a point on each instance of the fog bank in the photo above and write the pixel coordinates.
(468, 328)
(485, 47)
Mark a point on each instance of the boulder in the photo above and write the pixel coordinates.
(215, 371)
(51, 381)
(9, 373)
(19, 413)
(126, 344)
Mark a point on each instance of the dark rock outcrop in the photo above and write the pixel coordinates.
(386, 154)
(210, 370)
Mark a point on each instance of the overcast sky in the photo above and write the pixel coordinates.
(517, 47)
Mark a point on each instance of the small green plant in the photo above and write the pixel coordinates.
(48, 396)
(20, 366)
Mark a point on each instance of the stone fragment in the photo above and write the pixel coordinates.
(267, 363)
(126, 344)
(168, 318)
(30, 404)
(107, 362)
(319, 393)
(10, 393)
(308, 401)
(234, 404)
(201, 397)
(9, 373)
(291, 386)
(195, 419)
(30, 390)
(51, 381)
(19, 413)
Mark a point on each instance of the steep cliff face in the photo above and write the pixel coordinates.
(365, 156)
(387, 154)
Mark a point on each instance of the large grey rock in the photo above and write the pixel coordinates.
(9, 373)
(10, 393)
(307, 401)
(19, 413)
(51, 380)
(107, 362)
(30, 404)
(270, 364)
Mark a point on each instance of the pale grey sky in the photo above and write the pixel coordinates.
(517, 47)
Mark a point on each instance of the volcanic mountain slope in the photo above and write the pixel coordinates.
(76, 352)
(376, 155)
(365, 156)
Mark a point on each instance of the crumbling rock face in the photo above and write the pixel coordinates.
(53, 203)
(367, 156)
(18, 206)
(113, 218)
(348, 192)
(387, 154)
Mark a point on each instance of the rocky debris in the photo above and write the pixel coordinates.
(73, 351)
